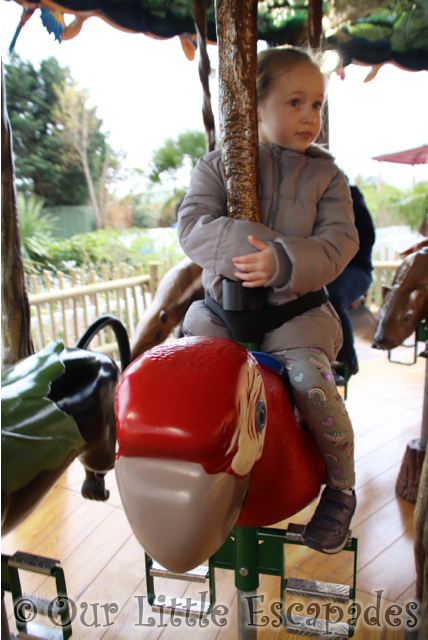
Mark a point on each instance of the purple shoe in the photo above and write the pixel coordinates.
(328, 529)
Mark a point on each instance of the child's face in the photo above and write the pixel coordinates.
(290, 115)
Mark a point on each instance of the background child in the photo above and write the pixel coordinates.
(305, 238)
(353, 282)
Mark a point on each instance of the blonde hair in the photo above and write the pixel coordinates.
(271, 63)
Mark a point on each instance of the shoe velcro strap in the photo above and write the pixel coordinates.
(331, 514)
(338, 497)
(335, 507)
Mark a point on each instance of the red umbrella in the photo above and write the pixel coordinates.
(411, 156)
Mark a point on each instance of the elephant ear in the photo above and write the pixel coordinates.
(36, 435)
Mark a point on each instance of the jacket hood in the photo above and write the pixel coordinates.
(316, 151)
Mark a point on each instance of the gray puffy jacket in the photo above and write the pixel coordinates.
(306, 215)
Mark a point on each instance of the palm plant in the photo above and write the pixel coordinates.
(35, 230)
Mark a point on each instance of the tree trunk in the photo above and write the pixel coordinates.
(82, 150)
(421, 549)
(91, 190)
(410, 473)
(237, 47)
(102, 188)
(15, 315)
(424, 429)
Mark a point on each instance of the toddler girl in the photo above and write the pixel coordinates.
(306, 237)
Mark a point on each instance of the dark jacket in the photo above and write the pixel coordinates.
(366, 232)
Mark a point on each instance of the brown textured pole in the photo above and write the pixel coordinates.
(315, 42)
(314, 23)
(15, 314)
(237, 43)
(200, 18)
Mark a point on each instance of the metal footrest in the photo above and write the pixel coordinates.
(175, 605)
(317, 628)
(20, 561)
(43, 606)
(198, 574)
(39, 632)
(330, 591)
(294, 533)
(181, 606)
(30, 562)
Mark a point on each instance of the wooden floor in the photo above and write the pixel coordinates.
(104, 564)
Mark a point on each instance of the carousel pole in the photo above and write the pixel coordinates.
(315, 14)
(315, 23)
(15, 315)
(200, 19)
(237, 44)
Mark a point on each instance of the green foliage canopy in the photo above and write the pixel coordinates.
(394, 206)
(172, 155)
(42, 164)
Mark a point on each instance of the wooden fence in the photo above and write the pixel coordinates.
(63, 305)
(384, 267)
(383, 274)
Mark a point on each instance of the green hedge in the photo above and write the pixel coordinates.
(111, 247)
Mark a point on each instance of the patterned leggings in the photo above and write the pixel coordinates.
(323, 409)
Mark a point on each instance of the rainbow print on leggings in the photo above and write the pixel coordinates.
(317, 397)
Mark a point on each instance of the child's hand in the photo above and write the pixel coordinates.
(256, 268)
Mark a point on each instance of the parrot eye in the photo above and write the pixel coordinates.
(260, 415)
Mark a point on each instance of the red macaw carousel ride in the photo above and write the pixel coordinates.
(208, 438)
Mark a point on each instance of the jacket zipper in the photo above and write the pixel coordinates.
(276, 165)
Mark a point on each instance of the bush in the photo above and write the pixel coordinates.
(394, 206)
(414, 204)
(111, 247)
(145, 215)
(35, 230)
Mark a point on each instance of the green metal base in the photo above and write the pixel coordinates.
(421, 335)
(250, 552)
(27, 606)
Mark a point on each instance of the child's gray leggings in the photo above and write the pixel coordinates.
(317, 398)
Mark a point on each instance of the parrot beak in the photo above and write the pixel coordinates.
(179, 513)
